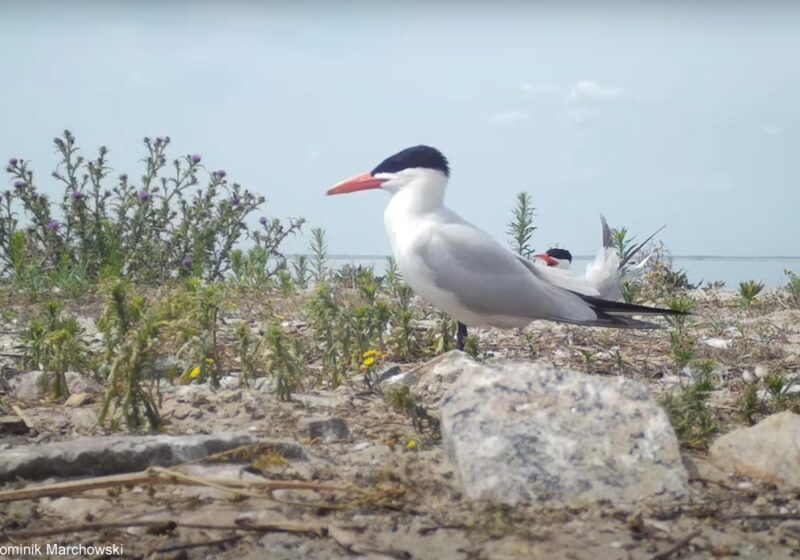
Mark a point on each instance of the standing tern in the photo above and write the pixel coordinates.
(604, 275)
(461, 269)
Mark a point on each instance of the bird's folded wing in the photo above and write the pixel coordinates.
(488, 278)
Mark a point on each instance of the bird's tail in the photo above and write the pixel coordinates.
(614, 314)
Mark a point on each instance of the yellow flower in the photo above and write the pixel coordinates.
(369, 361)
(412, 444)
(195, 373)
(371, 354)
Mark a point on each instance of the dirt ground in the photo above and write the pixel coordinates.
(388, 491)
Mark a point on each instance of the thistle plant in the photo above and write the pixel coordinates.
(54, 343)
(403, 339)
(195, 329)
(392, 278)
(472, 346)
(131, 342)
(371, 317)
(748, 291)
(248, 350)
(402, 399)
(177, 219)
(268, 239)
(121, 312)
(132, 389)
(681, 342)
(688, 408)
(632, 292)
(301, 272)
(319, 255)
(330, 323)
(283, 361)
(441, 338)
(252, 268)
(521, 227)
(286, 283)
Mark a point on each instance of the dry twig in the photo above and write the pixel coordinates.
(158, 475)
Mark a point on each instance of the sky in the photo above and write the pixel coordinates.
(679, 113)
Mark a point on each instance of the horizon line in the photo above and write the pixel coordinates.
(582, 257)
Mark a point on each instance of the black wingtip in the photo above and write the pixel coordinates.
(622, 308)
(617, 322)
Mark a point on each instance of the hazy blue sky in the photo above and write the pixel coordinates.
(652, 113)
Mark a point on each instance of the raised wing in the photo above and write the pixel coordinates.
(603, 274)
(608, 238)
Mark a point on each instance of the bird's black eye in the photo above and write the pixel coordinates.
(415, 157)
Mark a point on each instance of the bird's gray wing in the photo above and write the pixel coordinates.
(488, 278)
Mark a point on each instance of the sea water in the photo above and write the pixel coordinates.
(705, 269)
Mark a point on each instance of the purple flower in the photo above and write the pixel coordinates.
(19, 185)
(262, 220)
(78, 195)
(12, 162)
(53, 225)
(221, 173)
(196, 159)
(186, 262)
(144, 196)
(235, 199)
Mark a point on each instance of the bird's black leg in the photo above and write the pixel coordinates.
(461, 336)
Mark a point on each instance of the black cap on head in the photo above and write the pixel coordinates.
(416, 156)
(560, 254)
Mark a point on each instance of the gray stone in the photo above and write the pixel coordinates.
(326, 430)
(28, 386)
(119, 454)
(389, 371)
(265, 384)
(13, 425)
(768, 451)
(169, 366)
(429, 381)
(519, 433)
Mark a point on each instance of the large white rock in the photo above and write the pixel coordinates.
(525, 432)
(768, 451)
